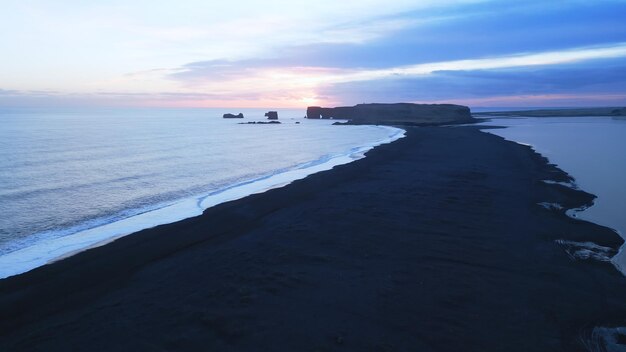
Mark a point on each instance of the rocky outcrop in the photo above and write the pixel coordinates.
(260, 123)
(232, 116)
(271, 115)
(395, 114)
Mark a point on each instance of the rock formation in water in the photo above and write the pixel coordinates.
(260, 123)
(395, 114)
(271, 115)
(232, 116)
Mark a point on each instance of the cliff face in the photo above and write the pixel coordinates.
(271, 115)
(395, 114)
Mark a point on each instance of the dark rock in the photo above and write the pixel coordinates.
(313, 112)
(395, 114)
(271, 115)
(260, 123)
(232, 116)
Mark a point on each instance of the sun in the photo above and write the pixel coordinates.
(309, 100)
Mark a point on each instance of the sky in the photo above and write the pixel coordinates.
(292, 54)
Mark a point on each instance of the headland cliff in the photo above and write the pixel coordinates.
(395, 114)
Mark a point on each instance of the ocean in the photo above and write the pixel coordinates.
(591, 150)
(74, 179)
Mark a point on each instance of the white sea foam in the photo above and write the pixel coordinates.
(569, 184)
(47, 250)
(551, 206)
(586, 250)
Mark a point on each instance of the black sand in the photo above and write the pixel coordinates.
(431, 243)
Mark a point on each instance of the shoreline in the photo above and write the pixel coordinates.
(54, 248)
(604, 210)
(434, 242)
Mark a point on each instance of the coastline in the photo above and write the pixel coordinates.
(53, 248)
(433, 242)
(596, 167)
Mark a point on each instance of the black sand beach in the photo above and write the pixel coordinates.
(435, 242)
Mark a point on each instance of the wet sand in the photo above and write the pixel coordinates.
(435, 242)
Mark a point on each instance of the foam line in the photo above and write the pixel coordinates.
(51, 249)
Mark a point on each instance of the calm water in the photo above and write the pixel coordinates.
(590, 149)
(69, 180)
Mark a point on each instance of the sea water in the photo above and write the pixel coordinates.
(70, 180)
(590, 149)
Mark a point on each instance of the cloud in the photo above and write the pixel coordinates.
(253, 99)
(597, 82)
(285, 52)
(7, 92)
(588, 72)
(482, 29)
(267, 74)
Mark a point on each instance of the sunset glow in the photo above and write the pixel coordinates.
(243, 54)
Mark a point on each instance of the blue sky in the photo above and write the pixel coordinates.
(293, 54)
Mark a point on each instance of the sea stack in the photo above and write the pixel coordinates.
(233, 116)
(271, 115)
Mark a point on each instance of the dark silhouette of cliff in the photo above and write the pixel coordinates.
(395, 114)
(271, 115)
(233, 116)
